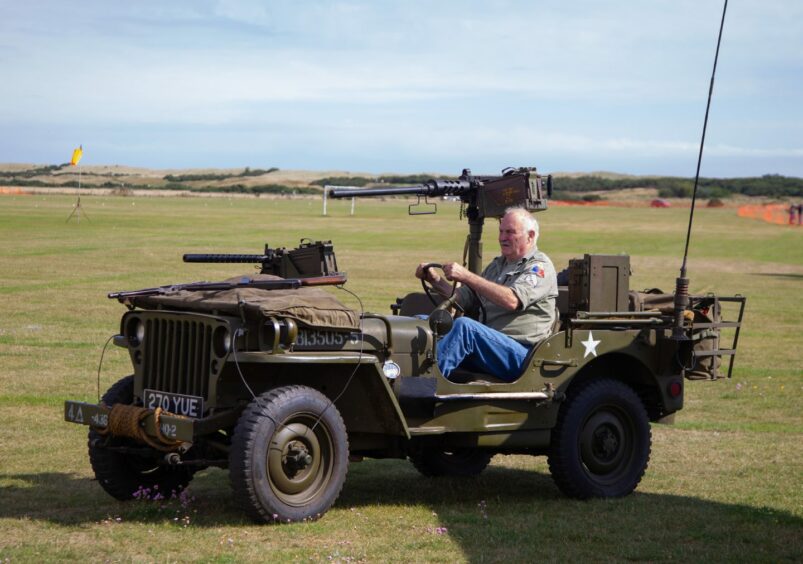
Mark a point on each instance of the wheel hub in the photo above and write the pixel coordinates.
(606, 442)
(603, 444)
(296, 456)
(297, 462)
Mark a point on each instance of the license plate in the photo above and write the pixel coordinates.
(180, 404)
(315, 339)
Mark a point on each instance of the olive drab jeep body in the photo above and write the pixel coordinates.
(276, 380)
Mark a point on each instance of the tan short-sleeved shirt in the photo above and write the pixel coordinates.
(535, 283)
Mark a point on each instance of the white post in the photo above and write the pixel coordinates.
(333, 186)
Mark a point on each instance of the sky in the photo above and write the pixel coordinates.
(405, 86)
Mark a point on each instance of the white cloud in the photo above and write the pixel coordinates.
(428, 78)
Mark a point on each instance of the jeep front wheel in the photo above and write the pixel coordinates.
(126, 476)
(601, 443)
(289, 455)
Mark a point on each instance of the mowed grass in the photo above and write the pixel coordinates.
(725, 483)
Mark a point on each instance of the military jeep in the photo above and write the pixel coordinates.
(273, 378)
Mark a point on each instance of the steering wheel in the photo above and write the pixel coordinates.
(451, 299)
(430, 290)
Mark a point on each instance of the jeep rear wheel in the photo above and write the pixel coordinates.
(601, 443)
(289, 455)
(123, 475)
(434, 462)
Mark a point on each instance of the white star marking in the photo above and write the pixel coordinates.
(590, 345)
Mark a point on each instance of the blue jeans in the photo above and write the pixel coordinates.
(475, 347)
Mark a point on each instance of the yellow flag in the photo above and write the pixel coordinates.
(76, 155)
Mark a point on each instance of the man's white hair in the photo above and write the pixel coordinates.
(526, 218)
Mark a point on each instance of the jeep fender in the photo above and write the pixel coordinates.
(355, 383)
(569, 358)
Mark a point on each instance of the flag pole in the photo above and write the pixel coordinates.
(74, 161)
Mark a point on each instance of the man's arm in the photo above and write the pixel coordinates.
(502, 296)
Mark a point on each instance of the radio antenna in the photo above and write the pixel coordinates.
(682, 282)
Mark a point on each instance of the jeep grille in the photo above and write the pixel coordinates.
(178, 355)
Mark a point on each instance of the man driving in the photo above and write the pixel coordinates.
(517, 291)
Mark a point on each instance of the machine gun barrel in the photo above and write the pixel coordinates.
(430, 188)
(228, 258)
(244, 282)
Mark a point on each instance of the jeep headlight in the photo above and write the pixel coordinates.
(221, 341)
(135, 331)
(278, 334)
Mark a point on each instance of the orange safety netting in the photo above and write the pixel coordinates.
(779, 214)
(11, 190)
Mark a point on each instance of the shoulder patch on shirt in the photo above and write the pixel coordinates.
(538, 271)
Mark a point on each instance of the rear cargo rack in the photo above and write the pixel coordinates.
(716, 326)
(704, 363)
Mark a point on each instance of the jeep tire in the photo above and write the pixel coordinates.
(601, 444)
(289, 455)
(122, 474)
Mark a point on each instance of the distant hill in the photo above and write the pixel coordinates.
(567, 185)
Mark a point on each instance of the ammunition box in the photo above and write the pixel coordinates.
(599, 283)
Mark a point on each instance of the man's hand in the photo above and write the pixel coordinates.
(427, 274)
(456, 272)
(439, 283)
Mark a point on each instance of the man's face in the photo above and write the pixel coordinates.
(514, 240)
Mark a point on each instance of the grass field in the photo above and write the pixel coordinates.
(725, 483)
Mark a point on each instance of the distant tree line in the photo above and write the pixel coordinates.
(241, 188)
(577, 188)
(49, 170)
(193, 177)
(235, 188)
(770, 185)
(259, 189)
(30, 173)
(361, 181)
(565, 188)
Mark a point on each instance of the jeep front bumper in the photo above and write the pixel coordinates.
(165, 428)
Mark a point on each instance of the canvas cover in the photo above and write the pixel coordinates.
(652, 299)
(309, 307)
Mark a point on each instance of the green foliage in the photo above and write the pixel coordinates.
(572, 188)
(361, 181)
(32, 183)
(578, 197)
(258, 171)
(566, 188)
(411, 179)
(212, 176)
(31, 172)
(258, 189)
(771, 185)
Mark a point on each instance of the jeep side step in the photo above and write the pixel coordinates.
(526, 396)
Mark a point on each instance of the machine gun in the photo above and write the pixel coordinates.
(483, 196)
(244, 282)
(307, 260)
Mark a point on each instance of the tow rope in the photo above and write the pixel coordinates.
(127, 421)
